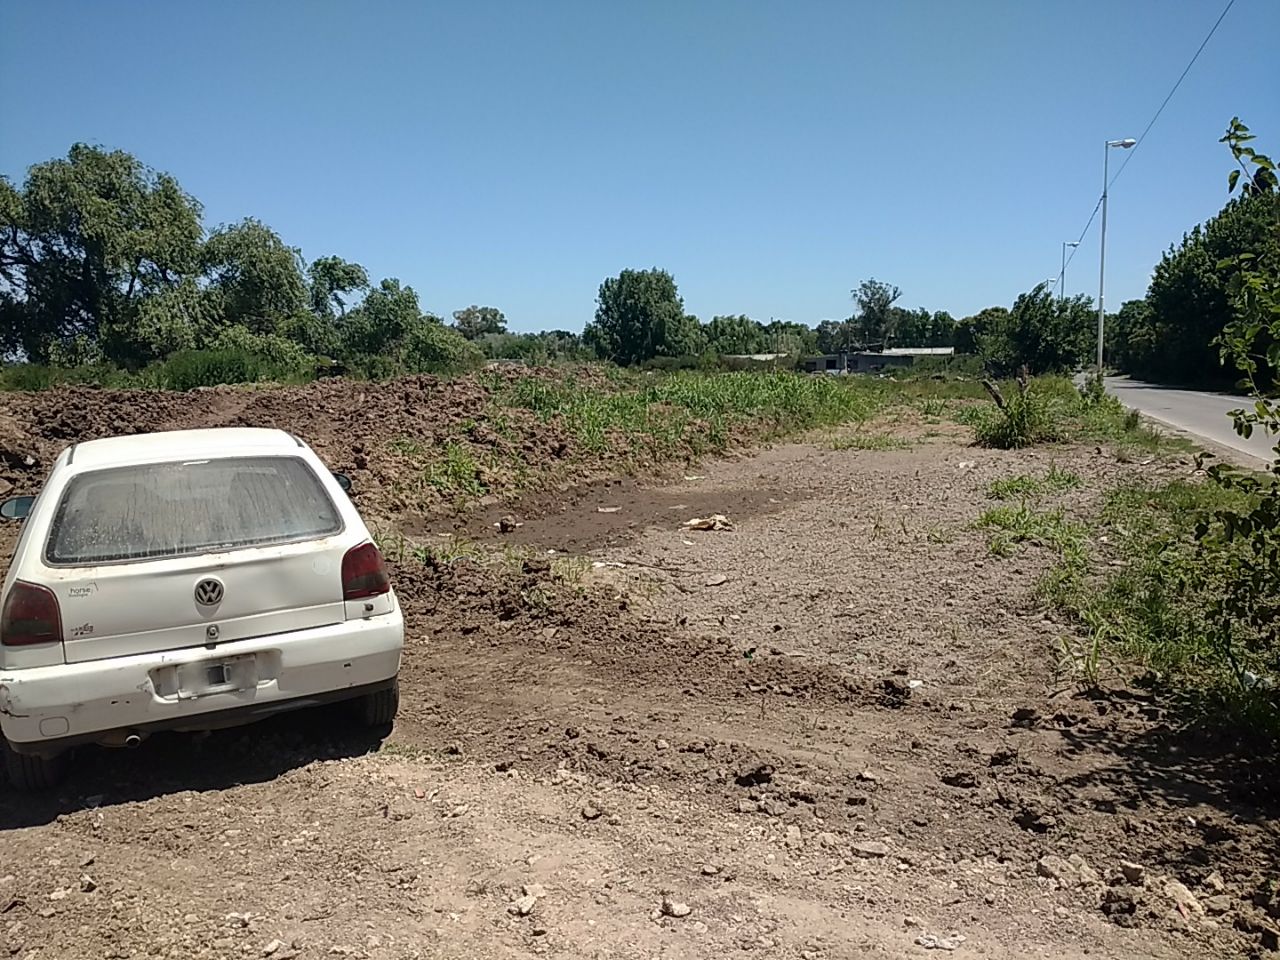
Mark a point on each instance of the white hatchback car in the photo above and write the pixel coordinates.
(187, 581)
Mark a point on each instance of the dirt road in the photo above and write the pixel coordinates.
(831, 732)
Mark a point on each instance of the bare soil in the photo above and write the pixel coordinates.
(833, 731)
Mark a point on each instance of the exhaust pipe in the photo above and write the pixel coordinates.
(129, 739)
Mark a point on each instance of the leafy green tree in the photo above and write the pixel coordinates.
(255, 279)
(476, 322)
(1244, 614)
(1190, 298)
(1040, 332)
(431, 347)
(330, 280)
(735, 335)
(970, 331)
(832, 336)
(639, 316)
(876, 320)
(791, 338)
(1130, 335)
(537, 348)
(83, 242)
(942, 330)
(381, 322)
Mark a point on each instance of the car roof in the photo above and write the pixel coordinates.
(181, 445)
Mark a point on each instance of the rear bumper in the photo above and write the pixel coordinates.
(46, 709)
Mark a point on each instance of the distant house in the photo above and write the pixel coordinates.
(871, 361)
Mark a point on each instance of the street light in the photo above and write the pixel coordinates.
(1102, 255)
(1062, 274)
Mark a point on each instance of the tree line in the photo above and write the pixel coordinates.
(104, 261)
(1174, 333)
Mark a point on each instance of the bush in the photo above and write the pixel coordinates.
(275, 350)
(434, 348)
(1026, 418)
(210, 368)
(35, 376)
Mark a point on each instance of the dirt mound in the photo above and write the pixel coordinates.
(386, 435)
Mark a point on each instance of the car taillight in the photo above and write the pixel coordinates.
(30, 616)
(363, 573)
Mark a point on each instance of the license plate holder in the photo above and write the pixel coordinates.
(203, 678)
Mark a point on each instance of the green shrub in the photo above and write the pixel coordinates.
(29, 376)
(1023, 419)
(1025, 486)
(434, 348)
(35, 376)
(210, 368)
(1155, 603)
(280, 352)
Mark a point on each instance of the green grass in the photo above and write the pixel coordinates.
(693, 413)
(868, 441)
(1024, 486)
(456, 473)
(1027, 418)
(1011, 526)
(1142, 604)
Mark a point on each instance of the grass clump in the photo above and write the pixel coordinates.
(1010, 526)
(456, 472)
(868, 441)
(1025, 486)
(1024, 418)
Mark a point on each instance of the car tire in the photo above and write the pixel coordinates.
(30, 774)
(378, 709)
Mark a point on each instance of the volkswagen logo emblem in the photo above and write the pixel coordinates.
(209, 592)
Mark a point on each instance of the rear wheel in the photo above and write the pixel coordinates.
(378, 709)
(33, 773)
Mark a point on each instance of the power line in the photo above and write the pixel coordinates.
(1199, 50)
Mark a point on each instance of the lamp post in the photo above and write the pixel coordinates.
(1102, 255)
(1062, 274)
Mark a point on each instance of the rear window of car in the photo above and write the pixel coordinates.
(178, 509)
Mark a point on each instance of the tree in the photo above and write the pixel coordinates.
(1130, 335)
(910, 327)
(942, 330)
(639, 316)
(1244, 612)
(791, 338)
(255, 278)
(330, 280)
(735, 335)
(1189, 297)
(476, 322)
(536, 348)
(875, 320)
(832, 336)
(970, 330)
(382, 320)
(1041, 333)
(83, 243)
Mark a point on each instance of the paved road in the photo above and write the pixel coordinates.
(1204, 414)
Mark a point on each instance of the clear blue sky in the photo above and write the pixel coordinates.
(770, 155)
